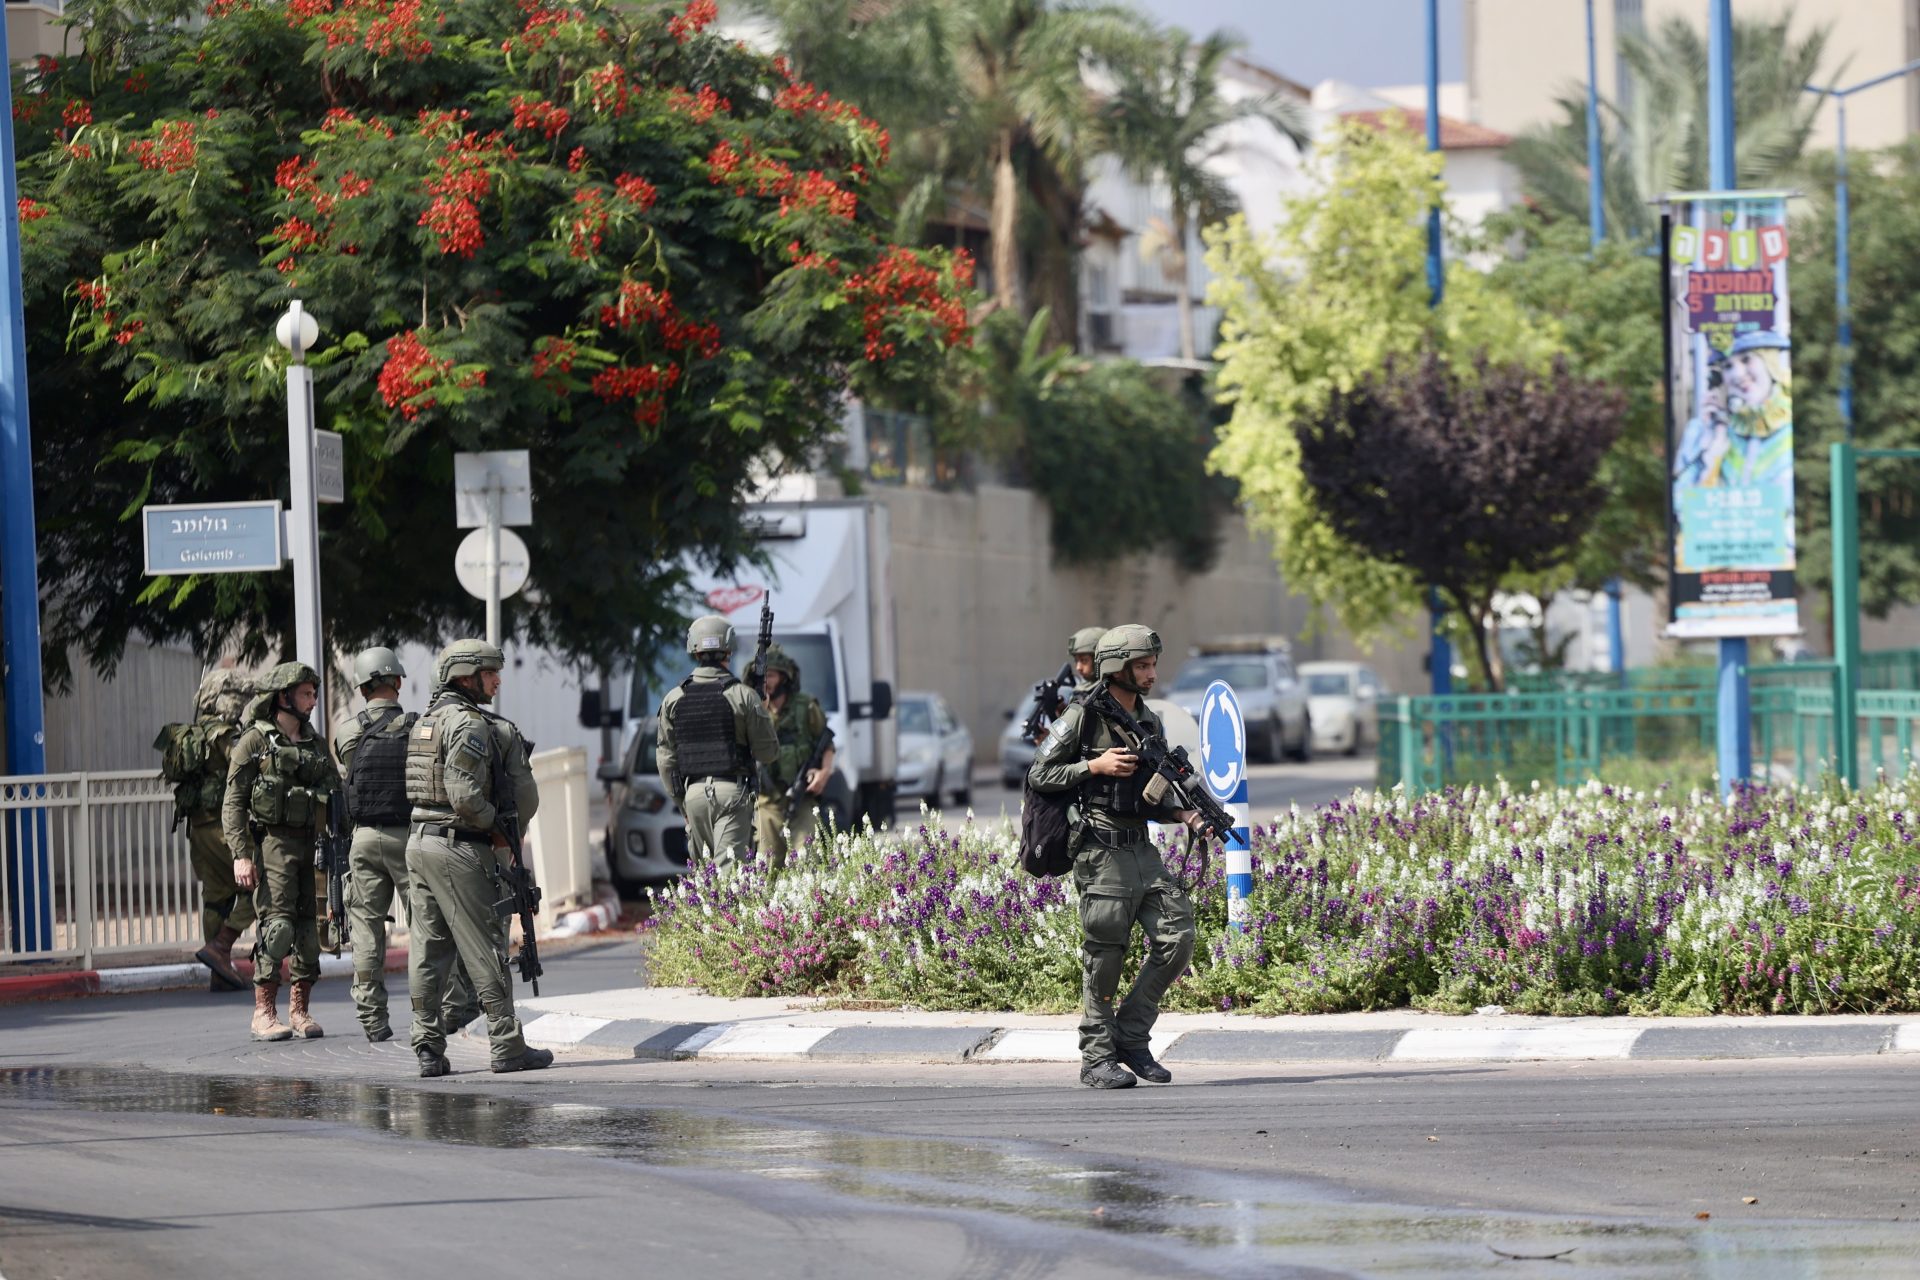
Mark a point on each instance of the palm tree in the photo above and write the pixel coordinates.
(1659, 144)
(1167, 120)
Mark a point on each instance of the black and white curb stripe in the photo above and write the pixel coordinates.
(1573, 1041)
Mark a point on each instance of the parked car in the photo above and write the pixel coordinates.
(1016, 752)
(936, 751)
(1273, 702)
(1344, 700)
(646, 834)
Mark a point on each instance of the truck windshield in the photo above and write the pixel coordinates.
(814, 653)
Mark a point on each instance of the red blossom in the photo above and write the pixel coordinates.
(78, 150)
(456, 221)
(816, 191)
(589, 221)
(136, 83)
(539, 27)
(410, 371)
(32, 210)
(551, 358)
(636, 190)
(700, 107)
(639, 304)
(76, 113)
(532, 115)
(902, 282)
(576, 159)
(698, 16)
(609, 90)
(175, 152)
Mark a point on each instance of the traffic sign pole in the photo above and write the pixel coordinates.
(493, 566)
(1223, 763)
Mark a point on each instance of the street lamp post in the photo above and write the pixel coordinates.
(297, 331)
(1596, 232)
(1439, 653)
(1842, 227)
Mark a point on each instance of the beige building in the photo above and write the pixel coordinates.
(34, 29)
(1522, 54)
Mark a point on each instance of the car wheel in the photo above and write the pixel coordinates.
(1303, 752)
(938, 789)
(964, 796)
(630, 888)
(1353, 743)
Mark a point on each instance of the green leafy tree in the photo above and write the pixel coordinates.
(1659, 144)
(1337, 290)
(597, 232)
(1166, 122)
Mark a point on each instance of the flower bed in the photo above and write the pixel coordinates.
(1596, 900)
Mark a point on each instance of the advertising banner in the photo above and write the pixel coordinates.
(1729, 416)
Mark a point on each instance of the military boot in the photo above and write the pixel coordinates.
(1107, 1075)
(432, 1062)
(303, 1023)
(528, 1060)
(1136, 1059)
(217, 955)
(266, 1015)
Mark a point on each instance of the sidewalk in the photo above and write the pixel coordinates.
(679, 1024)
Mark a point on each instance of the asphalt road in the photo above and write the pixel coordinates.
(144, 1136)
(1270, 787)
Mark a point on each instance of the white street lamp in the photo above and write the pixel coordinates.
(298, 332)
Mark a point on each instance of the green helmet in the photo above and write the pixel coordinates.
(1085, 640)
(223, 692)
(780, 660)
(466, 658)
(288, 675)
(1122, 645)
(377, 663)
(710, 635)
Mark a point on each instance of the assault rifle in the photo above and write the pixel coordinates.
(1049, 703)
(1168, 763)
(757, 677)
(797, 792)
(331, 856)
(523, 894)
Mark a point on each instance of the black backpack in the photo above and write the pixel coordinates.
(1046, 830)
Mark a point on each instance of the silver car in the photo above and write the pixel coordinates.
(936, 751)
(646, 834)
(1273, 701)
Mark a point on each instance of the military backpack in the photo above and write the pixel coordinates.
(193, 757)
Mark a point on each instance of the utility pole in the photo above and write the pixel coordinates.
(1439, 653)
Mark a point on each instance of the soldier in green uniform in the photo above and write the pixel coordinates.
(371, 747)
(1117, 873)
(1080, 647)
(467, 771)
(194, 758)
(714, 733)
(279, 782)
(798, 723)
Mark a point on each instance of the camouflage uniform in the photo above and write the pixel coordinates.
(707, 752)
(465, 765)
(797, 725)
(225, 912)
(1119, 879)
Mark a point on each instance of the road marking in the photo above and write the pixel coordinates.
(564, 1029)
(1906, 1038)
(760, 1040)
(1430, 1044)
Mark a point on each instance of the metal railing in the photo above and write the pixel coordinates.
(93, 867)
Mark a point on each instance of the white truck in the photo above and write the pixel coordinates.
(829, 581)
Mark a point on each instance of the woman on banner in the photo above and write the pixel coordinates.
(1758, 449)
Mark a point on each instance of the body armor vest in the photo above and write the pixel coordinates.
(1121, 796)
(293, 784)
(796, 744)
(706, 740)
(426, 760)
(377, 777)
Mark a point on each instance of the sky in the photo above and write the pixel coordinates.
(1364, 42)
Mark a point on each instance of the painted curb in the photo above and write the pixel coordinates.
(1584, 1042)
(598, 918)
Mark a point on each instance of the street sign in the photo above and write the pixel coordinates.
(470, 563)
(476, 476)
(329, 467)
(212, 537)
(1223, 764)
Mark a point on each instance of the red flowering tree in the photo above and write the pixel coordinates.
(599, 232)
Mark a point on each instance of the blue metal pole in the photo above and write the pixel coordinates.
(1735, 719)
(1843, 268)
(27, 869)
(1440, 653)
(1596, 232)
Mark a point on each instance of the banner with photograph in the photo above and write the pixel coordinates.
(1729, 416)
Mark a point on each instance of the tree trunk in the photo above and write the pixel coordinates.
(1005, 226)
(1178, 260)
(1478, 614)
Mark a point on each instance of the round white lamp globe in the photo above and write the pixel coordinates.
(309, 329)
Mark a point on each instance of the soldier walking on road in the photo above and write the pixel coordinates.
(714, 733)
(371, 747)
(467, 772)
(1080, 647)
(279, 783)
(1117, 873)
(798, 723)
(194, 757)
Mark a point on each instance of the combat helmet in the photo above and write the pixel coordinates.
(377, 663)
(466, 658)
(1085, 640)
(223, 693)
(278, 680)
(780, 660)
(711, 635)
(1122, 645)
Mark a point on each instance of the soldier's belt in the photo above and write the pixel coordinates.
(1116, 839)
(742, 780)
(446, 832)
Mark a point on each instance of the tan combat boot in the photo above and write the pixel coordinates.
(217, 955)
(266, 1016)
(303, 1023)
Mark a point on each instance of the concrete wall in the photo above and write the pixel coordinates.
(983, 612)
(110, 724)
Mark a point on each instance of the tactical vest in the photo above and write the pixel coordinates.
(706, 739)
(796, 744)
(377, 776)
(1120, 796)
(427, 753)
(293, 784)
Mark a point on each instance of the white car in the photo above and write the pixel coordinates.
(936, 751)
(1344, 701)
